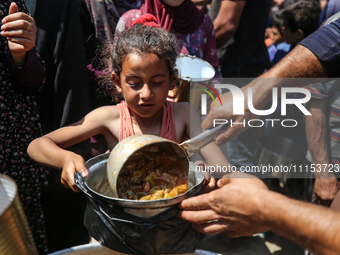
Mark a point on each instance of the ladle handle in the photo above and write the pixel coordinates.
(194, 144)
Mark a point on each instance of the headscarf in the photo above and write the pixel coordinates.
(184, 19)
(105, 15)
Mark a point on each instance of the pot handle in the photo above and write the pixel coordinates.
(104, 208)
(80, 182)
(199, 141)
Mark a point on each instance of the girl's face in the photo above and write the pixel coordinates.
(145, 82)
(276, 36)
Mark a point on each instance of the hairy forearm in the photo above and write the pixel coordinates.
(316, 131)
(282, 74)
(313, 227)
(300, 62)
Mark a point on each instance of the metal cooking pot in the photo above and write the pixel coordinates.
(97, 185)
(136, 144)
(132, 226)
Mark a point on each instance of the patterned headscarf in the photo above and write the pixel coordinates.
(106, 13)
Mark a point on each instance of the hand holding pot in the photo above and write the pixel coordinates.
(72, 163)
(46, 151)
(325, 190)
(209, 180)
(233, 208)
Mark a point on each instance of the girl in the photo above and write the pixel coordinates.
(143, 61)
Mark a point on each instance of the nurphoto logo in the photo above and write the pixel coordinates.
(239, 104)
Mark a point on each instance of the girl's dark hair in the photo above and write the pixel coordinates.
(142, 39)
(139, 39)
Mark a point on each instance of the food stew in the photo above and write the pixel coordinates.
(154, 172)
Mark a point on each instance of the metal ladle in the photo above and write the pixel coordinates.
(128, 148)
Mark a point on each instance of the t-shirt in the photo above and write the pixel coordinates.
(282, 50)
(325, 44)
(247, 55)
(331, 8)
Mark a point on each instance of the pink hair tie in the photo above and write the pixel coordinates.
(146, 20)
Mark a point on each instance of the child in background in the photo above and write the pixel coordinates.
(143, 61)
(282, 48)
(300, 20)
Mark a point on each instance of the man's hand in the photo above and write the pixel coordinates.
(234, 208)
(325, 190)
(225, 112)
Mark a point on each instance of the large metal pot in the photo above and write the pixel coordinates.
(15, 235)
(132, 226)
(96, 184)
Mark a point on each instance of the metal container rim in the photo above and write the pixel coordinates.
(12, 198)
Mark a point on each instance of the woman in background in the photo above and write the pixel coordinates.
(21, 76)
(193, 28)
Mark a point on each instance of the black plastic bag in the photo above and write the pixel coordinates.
(164, 233)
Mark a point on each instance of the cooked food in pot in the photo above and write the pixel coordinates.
(154, 172)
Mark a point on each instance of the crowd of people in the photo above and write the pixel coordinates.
(60, 99)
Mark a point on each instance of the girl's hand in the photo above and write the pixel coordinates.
(209, 180)
(171, 97)
(20, 30)
(72, 164)
(210, 183)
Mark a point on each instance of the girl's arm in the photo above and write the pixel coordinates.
(46, 151)
(50, 150)
(211, 153)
